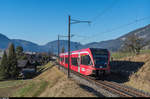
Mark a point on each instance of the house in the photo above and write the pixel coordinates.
(30, 53)
(26, 68)
(25, 64)
(54, 58)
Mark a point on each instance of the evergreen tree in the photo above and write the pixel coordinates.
(19, 50)
(12, 61)
(4, 67)
(63, 49)
(19, 53)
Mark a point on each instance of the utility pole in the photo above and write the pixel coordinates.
(58, 49)
(59, 44)
(69, 48)
(74, 22)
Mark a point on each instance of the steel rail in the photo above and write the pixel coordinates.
(131, 91)
(104, 86)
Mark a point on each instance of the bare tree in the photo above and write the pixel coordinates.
(133, 43)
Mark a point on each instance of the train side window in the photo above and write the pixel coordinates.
(74, 61)
(66, 60)
(62, 59)
(86, 60)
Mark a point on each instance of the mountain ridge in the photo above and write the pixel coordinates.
(112, 45)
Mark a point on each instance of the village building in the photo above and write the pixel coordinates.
(26, 68)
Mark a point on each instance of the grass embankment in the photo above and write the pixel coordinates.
(35, 86)
(140, 79)
(50, 83)
(32, 89)
(7, 88)
(119, 55)
(23, 87)
(45, 67)
(60, 86)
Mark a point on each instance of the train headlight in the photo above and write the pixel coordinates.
(100, 67)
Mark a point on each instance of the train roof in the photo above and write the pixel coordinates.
(102, 49)
(98, 48)
(92, 49)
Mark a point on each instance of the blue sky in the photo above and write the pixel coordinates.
(40, 21)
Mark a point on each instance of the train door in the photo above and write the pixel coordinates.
(64, 60)
(74, 62)
(79, 62)
(86, 64)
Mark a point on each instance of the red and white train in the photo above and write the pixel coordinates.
(87, 61)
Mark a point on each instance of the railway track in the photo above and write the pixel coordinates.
(125, 90)
(112, 87)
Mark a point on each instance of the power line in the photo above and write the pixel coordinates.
(122, 26)
(114, 29)
(104, 11)
(101, 13)
(110, 30)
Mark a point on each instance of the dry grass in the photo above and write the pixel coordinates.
(141, 78)
(60, 86)
(22, 87)
(35, 86)
(32, 89)
(8, 91)
(52, 83)
(7, 88)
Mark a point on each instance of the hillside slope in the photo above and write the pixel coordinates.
(33, 47)
(4, 41)
(53, 46)
(60, 86)
(52, 83)
(115, 44)
(140, 79)
(27, 45)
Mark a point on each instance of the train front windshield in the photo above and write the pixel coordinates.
(100, 58)
(101, 61)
